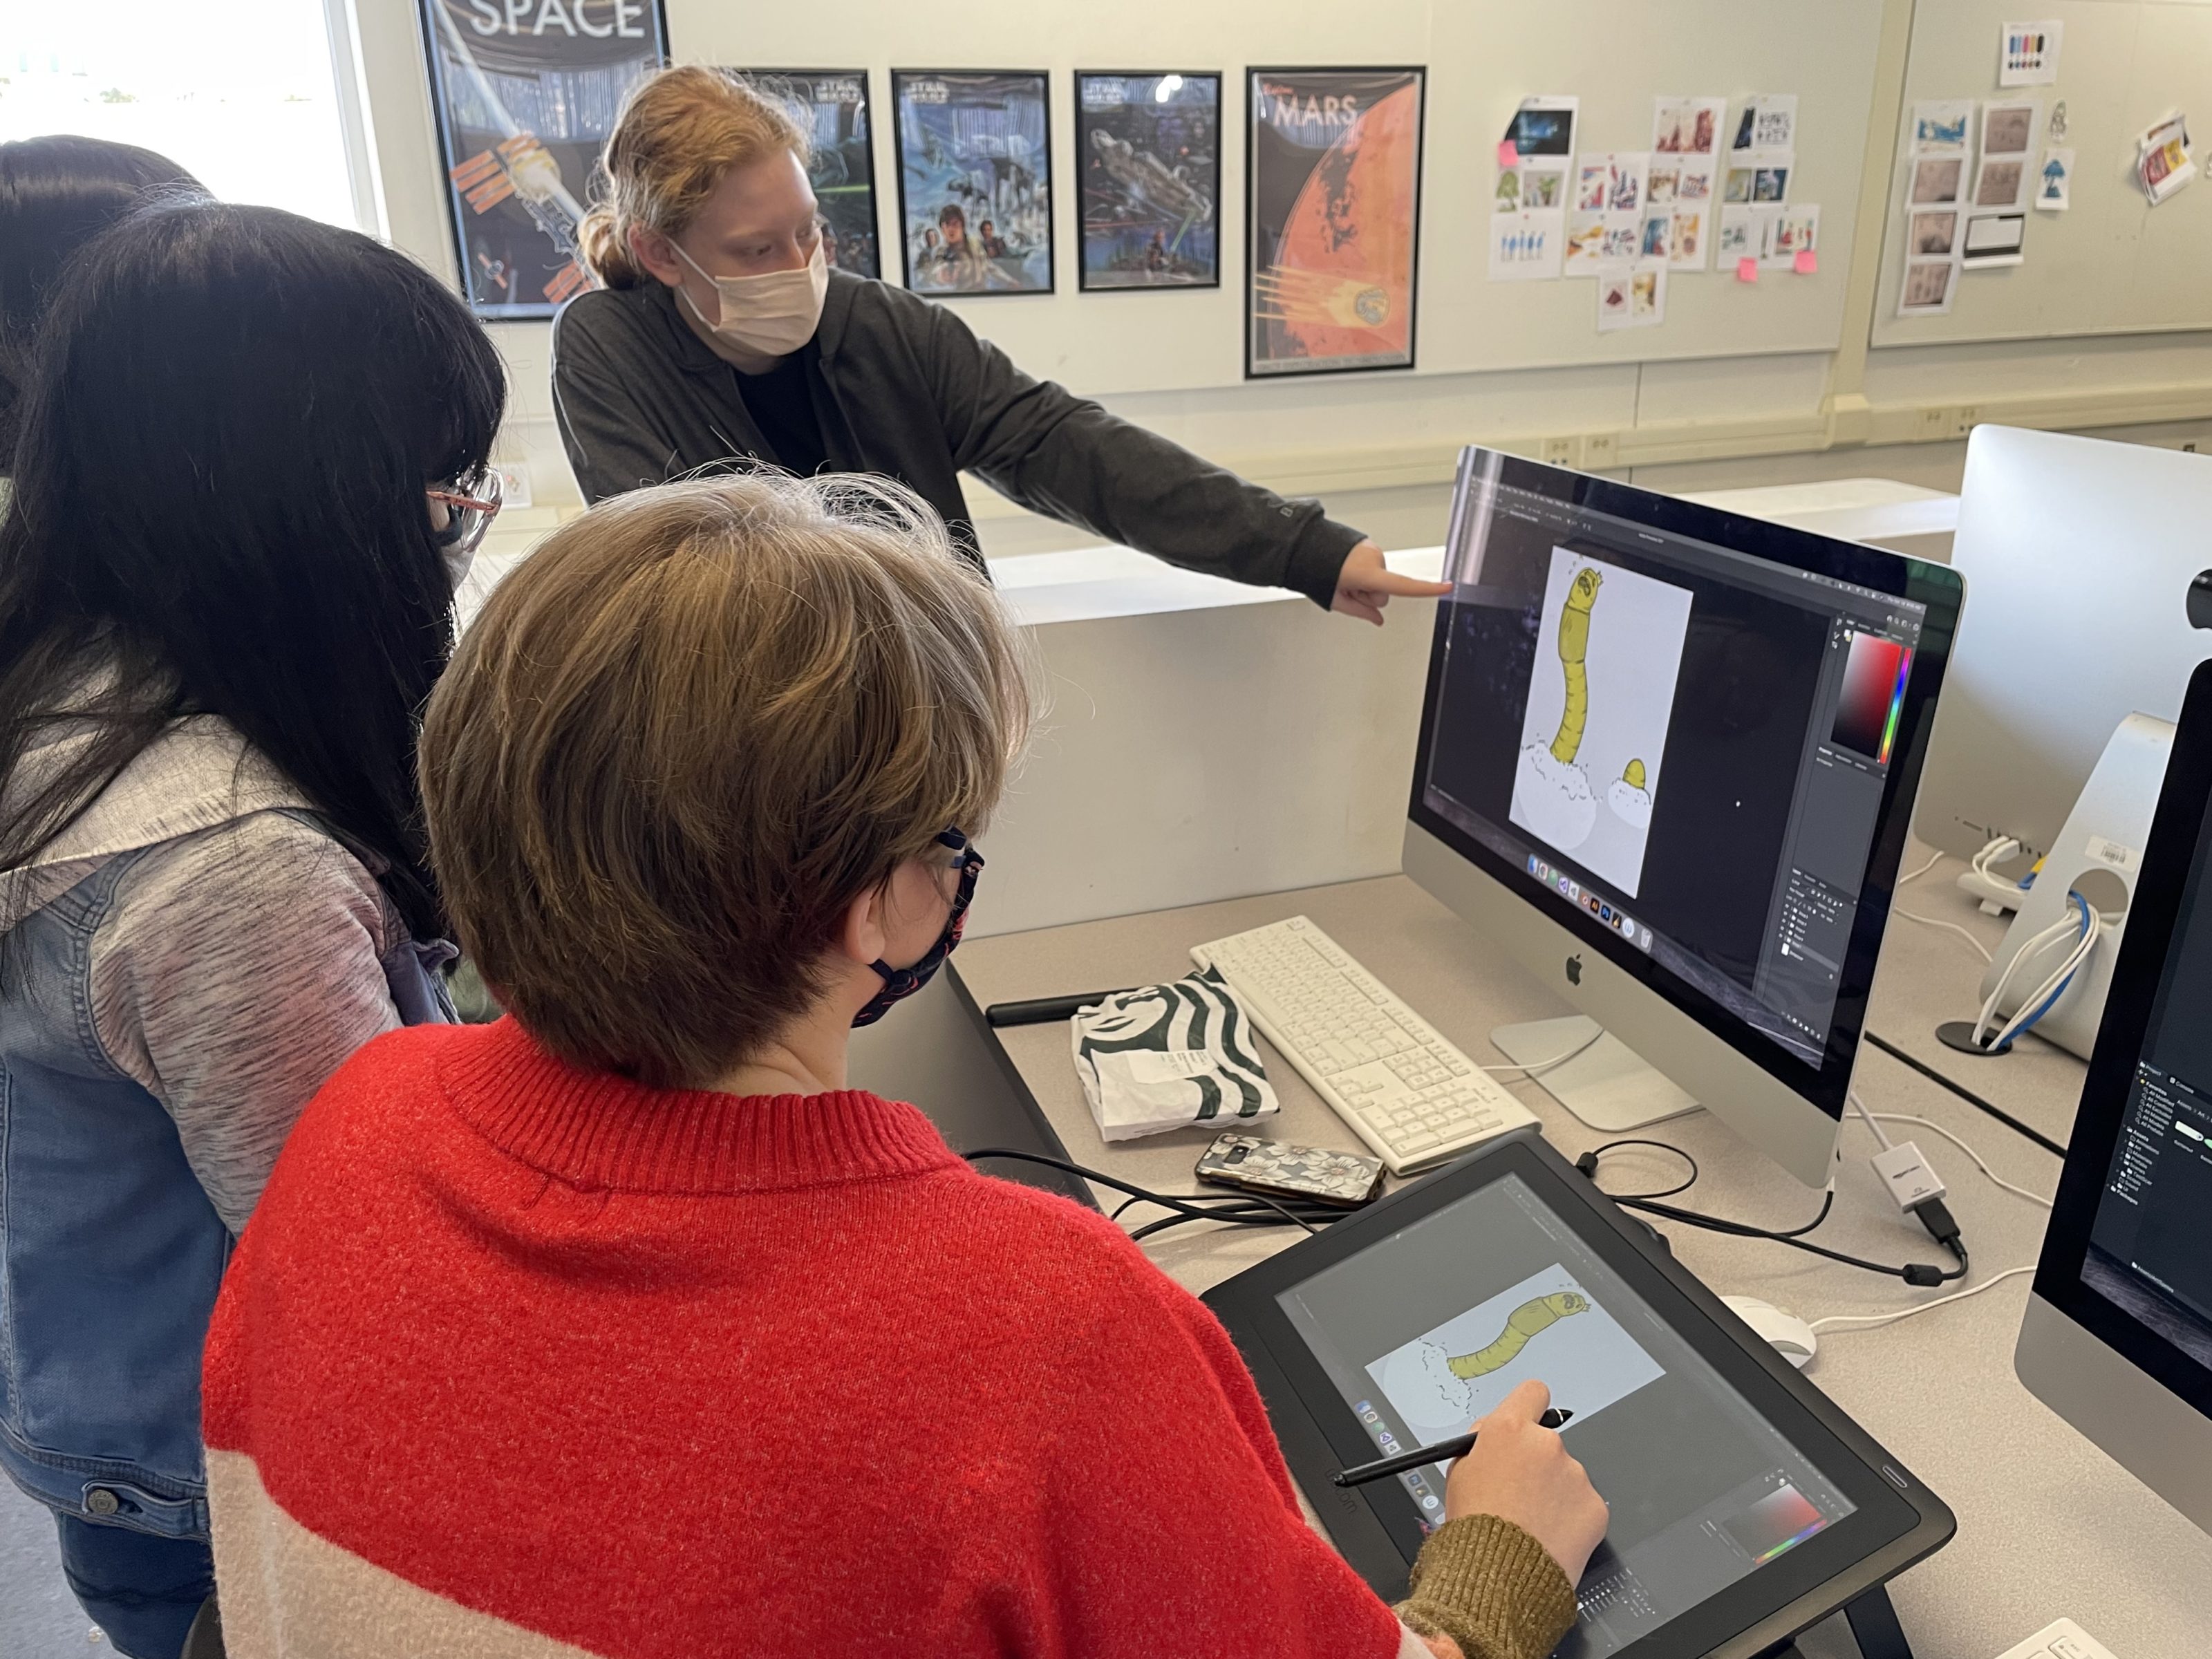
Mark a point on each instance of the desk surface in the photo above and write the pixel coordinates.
(2048, 1526)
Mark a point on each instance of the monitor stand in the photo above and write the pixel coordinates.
(1873, 1626)
(1606, 1085)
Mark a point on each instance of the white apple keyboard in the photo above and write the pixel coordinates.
(1410, 1095)
(2064, 1640)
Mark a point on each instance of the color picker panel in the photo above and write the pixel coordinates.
(1872, 690)
(1778, 1522)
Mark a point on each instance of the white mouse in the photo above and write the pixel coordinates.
(1780, 1329)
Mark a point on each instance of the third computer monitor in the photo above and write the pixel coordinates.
(1666, 759)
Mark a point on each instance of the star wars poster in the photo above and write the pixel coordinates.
(1148, 159)
(525, 98)
(831, 107)
(1335, 193)
(974, 181)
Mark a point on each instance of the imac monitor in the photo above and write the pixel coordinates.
(2080, 553)
(2118, 1336)
(1666, 759)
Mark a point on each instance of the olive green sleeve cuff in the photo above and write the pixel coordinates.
(1490, 1587)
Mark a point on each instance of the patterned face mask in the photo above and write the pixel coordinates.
(899, 983)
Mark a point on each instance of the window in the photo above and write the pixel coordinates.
(243, 95)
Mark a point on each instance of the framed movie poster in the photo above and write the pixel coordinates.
(525, 98)
(1148, 179)
(1335, 192)
(831, 107)
(974, 181)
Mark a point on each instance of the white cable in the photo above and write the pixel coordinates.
(1547, 1065)
(2032, 1005)
(1927, 1123)
(1934, 858)
(1865, 1321)
(1858, 1105)
(1948, 927)
(2034, 946)
(2003, 847)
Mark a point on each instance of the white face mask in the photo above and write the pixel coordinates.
(772, 314)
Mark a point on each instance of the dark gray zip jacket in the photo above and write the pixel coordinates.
(907, 390)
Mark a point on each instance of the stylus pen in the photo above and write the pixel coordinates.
(1443, 1452)
(1041, 1010)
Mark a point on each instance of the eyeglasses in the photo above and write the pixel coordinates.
(471, 505)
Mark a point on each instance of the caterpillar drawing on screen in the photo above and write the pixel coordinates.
(1528, 1321)
(1574, 648)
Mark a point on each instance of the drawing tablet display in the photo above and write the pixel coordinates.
(1744, 1505)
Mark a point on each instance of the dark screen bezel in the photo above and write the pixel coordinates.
(2162, 891)
(1935, 587)
(1376, 1526)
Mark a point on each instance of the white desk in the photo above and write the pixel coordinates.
(2047, 1525)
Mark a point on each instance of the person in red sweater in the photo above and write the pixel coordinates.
(623, 1328)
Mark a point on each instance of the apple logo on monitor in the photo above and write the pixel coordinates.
(1574, 970)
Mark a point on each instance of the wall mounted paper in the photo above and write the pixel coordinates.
(1936, 180)
(1995, 239)
(2027, 53)
(1764, 186)
(1927, 288)
(1662, 181)
(1526, 247)
(2009, 128)
(1933, 233)
(1624, 239)
(2164, 162)
(1766, 128)
(1656, 240)
(1687, 241)
(2001, 181)
(1542, 129)
(1585, 247)
(1943, 127)
(1794, 230)
(1634, 298)
(2054, 190)
(1739, 236)
(1694, 177)
(1687, 126)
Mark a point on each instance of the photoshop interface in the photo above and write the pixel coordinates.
(1687, 742)
(2146, 1248)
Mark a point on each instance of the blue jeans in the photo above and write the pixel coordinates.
(143, 1591)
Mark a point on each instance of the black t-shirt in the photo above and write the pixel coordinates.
(781, 404)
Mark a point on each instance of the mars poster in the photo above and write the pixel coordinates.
(525, 98)
(1335, 194)
(1148, 148)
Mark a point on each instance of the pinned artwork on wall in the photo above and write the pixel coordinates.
(1334, 158)
(524, 102)
(1148, 179)
(831, 107)
(974, 181)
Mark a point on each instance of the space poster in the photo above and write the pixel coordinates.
(1335, 160)
(1148, 159)
(524, 100)
(974, 181)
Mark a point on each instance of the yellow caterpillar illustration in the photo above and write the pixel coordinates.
(1574, 647)
(1531, 1319)
(1633, 777)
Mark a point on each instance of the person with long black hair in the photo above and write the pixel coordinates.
(254, 463)
(56, 193)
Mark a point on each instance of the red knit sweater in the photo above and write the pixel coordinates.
(516, 1359)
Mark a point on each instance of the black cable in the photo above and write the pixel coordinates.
(1186, 1210)
(1967, 1094)
(1913, 1273)
(1637, 1140)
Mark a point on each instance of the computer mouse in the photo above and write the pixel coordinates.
(1780, 1329)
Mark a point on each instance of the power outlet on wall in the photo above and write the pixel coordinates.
(1563, 452)
(1964, 421)
(1601, 451)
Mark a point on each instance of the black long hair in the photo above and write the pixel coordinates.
(232, 414)
(56, 193)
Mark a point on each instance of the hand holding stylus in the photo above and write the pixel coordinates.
(1520, 1471)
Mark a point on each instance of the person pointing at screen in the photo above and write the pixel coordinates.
(722, 333)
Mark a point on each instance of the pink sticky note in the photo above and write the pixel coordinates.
(1509, 153)
(1747, 270)
(1808, 262)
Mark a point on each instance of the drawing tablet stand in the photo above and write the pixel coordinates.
(1873, 1627)
(1608, 1085)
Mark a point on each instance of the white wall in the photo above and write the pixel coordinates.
(1378, 447)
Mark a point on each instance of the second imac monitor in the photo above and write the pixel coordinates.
(1667, 760)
